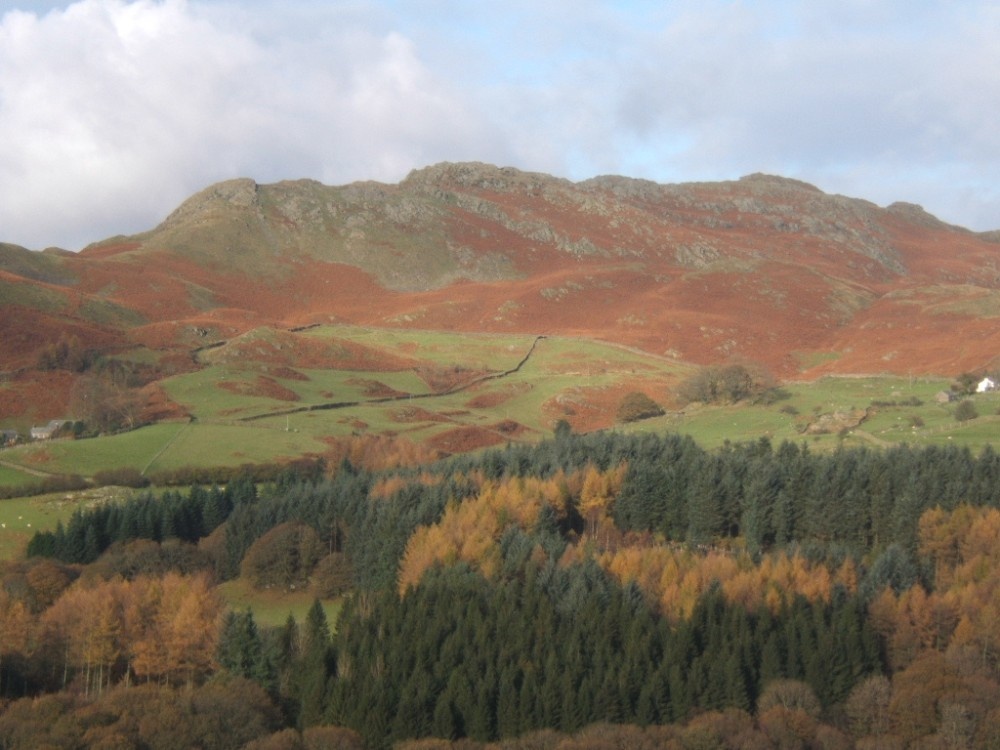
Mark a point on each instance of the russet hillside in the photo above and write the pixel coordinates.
(763, 269)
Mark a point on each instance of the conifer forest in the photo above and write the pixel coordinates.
(591, 591)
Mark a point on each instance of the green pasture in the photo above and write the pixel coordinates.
(831, 392)
(20, 518)
(585, 357)
(494, 352)
(202, 393)
(87, 457)
(974, 433)
(232, 445)
(13, 477)
(558, 366)
(712, 426)
(167, 446)
(563, 376)
(892, 419)
(325, 386)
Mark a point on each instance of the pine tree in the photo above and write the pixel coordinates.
(241, 651)
(529, 703)
(737, 692)
(414, 715)
(771, 661)
(705, 505)
(509, 721)
(446, 722)
(216, 509)
(91, 545)
(313, 667)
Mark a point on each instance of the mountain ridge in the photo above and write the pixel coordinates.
(765, 268)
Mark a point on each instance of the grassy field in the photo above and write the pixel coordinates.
(11, 476)
(86, 457)
(236, 420)
(481, 351)
(898, 410)
(167, 446)
(20, 518)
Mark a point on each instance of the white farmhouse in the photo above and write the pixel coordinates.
(985, 385)
(47, 431)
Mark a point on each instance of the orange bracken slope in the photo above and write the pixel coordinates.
(763, 269)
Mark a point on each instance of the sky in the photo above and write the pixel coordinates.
(112, 112)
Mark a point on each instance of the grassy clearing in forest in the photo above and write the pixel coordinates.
(271, 607)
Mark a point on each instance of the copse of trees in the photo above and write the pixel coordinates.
(53, 483)
(284, 556)
(728, 384)
(68, 353)
(105, 405)
(172, 515)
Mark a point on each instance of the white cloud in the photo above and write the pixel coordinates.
(113, 111)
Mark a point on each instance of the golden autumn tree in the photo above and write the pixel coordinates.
(599, 490)
(147, 657)
(85, 624)
(469, 531)
(675, 577)
(188, 624)
(157, 629)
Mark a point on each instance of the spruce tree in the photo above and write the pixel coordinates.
(313, 668)
(241, 651)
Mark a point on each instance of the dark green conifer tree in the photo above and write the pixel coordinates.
(771, 661)
(314, 667)
(446, 723)
(414, 715)
(241, 651)
(509, 720)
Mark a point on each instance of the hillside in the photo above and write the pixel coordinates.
(762, 269)
(393, 402)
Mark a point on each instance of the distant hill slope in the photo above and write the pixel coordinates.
(763, 268)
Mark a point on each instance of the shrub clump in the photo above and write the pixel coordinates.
(965, 411)
(636, 406)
